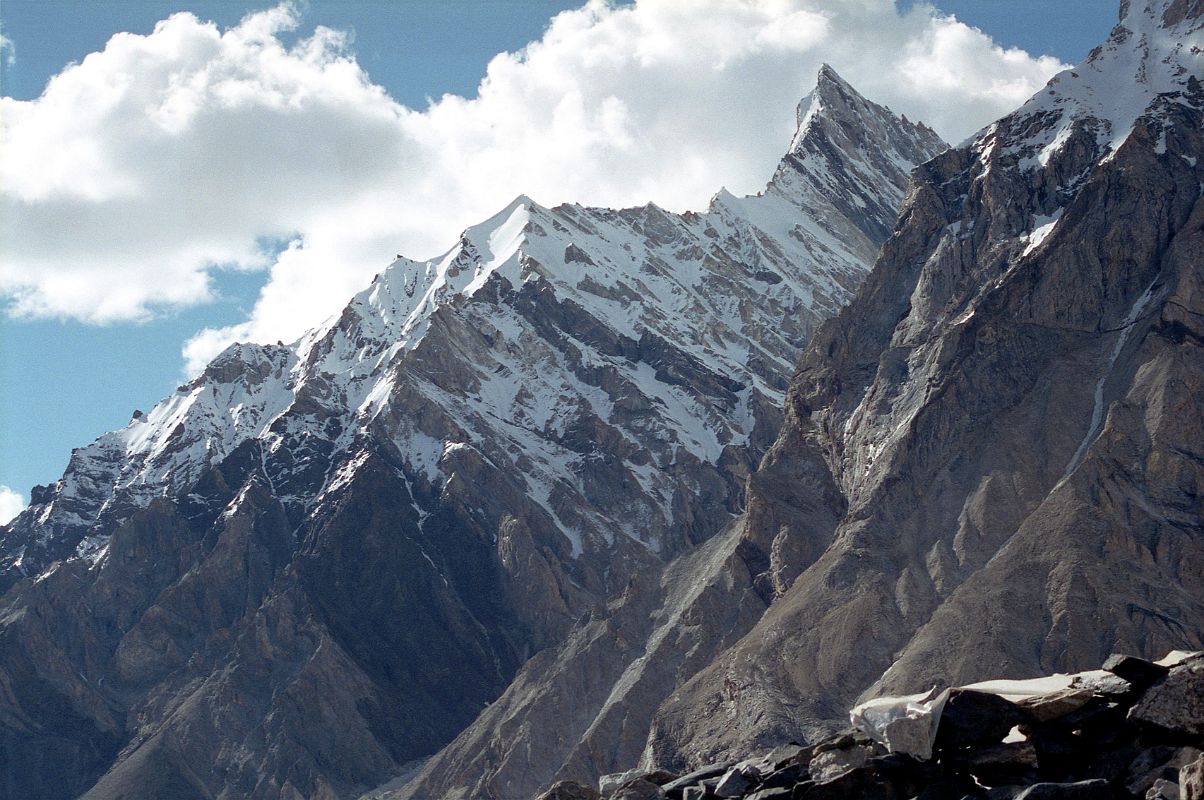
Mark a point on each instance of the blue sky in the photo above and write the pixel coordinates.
(63, 380)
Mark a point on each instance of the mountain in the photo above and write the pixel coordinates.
(991, 465)
(993, 458)
(318, 562)
(597, 692)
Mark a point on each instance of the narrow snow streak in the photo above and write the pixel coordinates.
(1097, 412)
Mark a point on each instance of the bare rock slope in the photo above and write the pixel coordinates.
(993, 459)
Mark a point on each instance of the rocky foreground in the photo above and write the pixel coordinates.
(1134, 729)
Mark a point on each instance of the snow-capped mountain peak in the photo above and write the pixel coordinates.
(831, 93)
(675, 332)
(1154, 56)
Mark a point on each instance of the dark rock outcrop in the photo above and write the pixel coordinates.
(1176, 701)
(1105, 756)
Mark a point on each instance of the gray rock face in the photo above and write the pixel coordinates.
(1191, 780)
(993, 459)
(319, 562)
(638, 789)
(570, 790)
(1177, 701)
(734, 783)
(1136, 671)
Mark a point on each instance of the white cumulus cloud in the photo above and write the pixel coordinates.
(11, 504)
(149, 165)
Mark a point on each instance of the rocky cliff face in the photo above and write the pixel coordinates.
(993, 460)
(319, 561)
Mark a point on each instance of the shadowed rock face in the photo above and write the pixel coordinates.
(1005, 424)
(318, 562)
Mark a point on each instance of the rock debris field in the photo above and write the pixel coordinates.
(1133, 729)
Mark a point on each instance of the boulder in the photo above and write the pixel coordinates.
(659, 776)
(838, 754)
(570, 790)
(735, 782)
(772, 793)
(1163, 789)
(1158, 763)
(1103, 682)
(879, 777)
(1137, 671)
(831, 764)
(912, 735)
(1058, 751)
(866, 782)
(1176, 702)
(608, 784)
(776, 759)
(1012, 763)
(947, 789)
(639, 789)
(905, 724)
(1002, 793)
(1052, 706)
(1081, 790)
(786, 776)
(1191, 780)
(677, 786)
(1100, 716)
(972, 718)
(912, 777)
